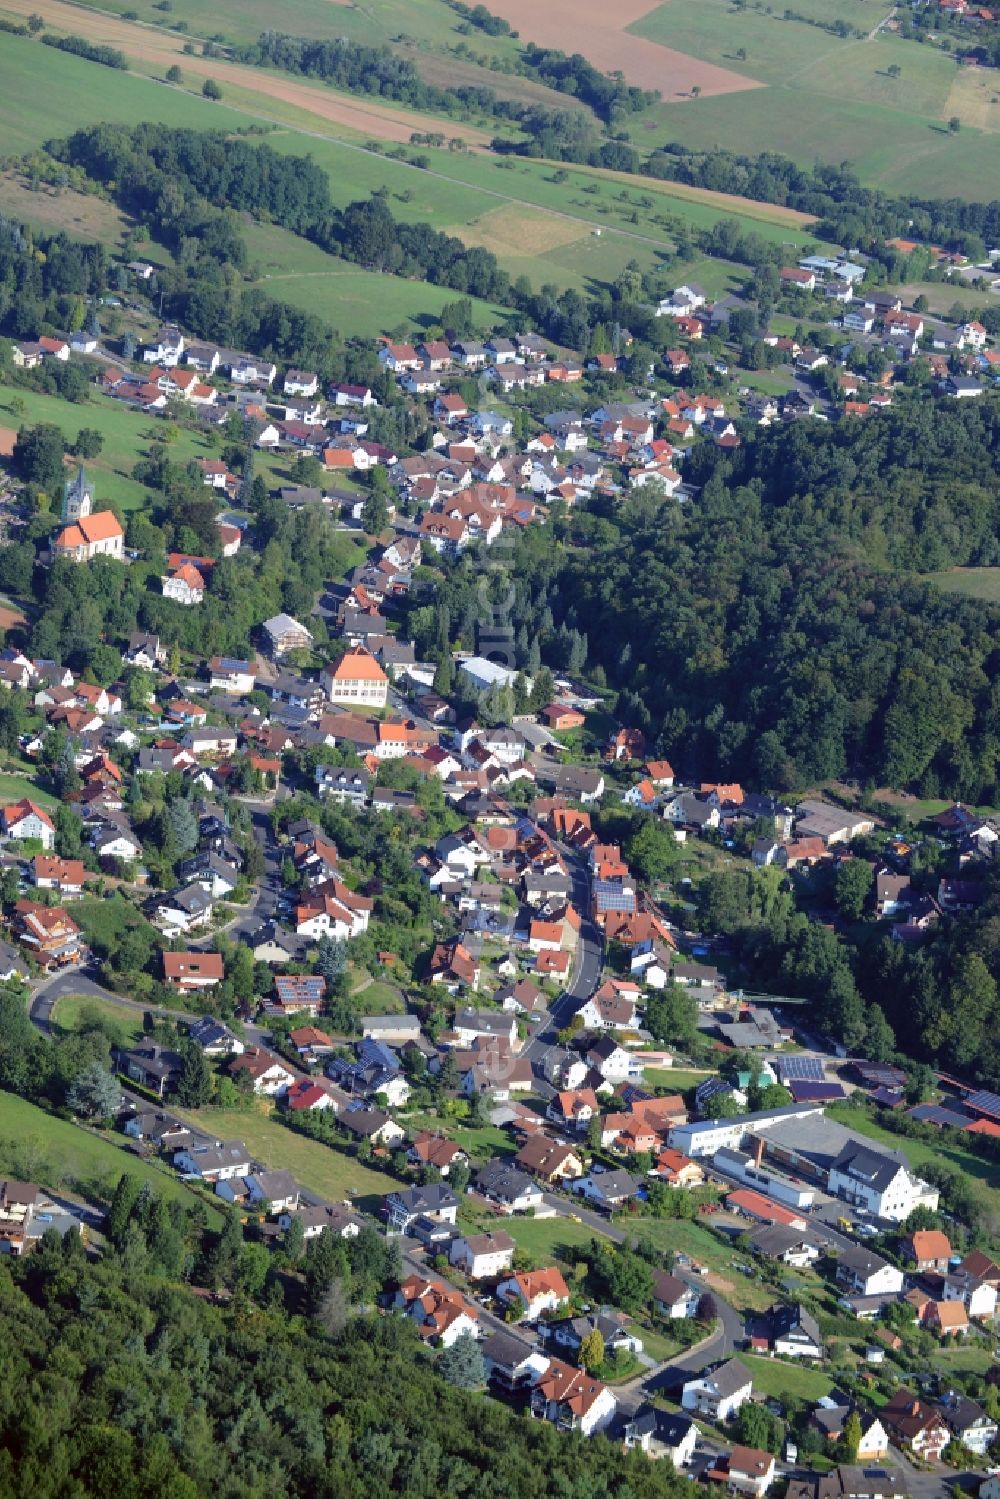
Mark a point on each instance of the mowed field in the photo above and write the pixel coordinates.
(830, 98)
(974, 582)
(588, 26)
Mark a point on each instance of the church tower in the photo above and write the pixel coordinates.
(78, 498)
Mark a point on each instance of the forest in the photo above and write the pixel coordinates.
(116, 1377)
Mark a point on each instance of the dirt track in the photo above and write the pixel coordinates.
(588, 26)
(161, 49)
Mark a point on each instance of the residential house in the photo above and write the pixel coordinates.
(441, 1313)
(510, 1188)
(659, 1433)
(404, 1207)
(928, 1249)
(718, 1393)
(192, 971)
(550, 1161)
(866, 1274)
(607, 1190)
(155, 1068)
(672, 1297)
(968, 1422)
(25, 820)
(283, 635)
(483, 1256)
(270, 1076)
(374, 1126)
(787, 1330)
(747, 1470)
(356, 678)
(573, 1399)
(213, 1163)
(878, 1183)
(913, 1424)
(534, 1292)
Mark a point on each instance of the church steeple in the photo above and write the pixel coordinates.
(78, 497)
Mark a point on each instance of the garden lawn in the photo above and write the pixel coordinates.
(480, 1141)
(54, 1151)
(793, 1384)
(673, 1079)
(71, 1010)
(326, 1169)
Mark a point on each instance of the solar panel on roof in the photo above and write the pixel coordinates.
(801, 1069)
(985, 1102)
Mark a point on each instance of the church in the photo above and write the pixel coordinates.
(86, 535)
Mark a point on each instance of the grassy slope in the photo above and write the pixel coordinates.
(58, 1152)
(13, 788)
(127, 434)
(357, 302)
(791, 1383)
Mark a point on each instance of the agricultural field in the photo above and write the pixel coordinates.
(127, 435)
(36, 1145)
(321, 1168)
(837, 100)
(974, 582)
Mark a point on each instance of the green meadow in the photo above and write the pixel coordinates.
(127, 435)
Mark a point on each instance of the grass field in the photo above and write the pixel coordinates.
(127, 437)
(974, 582)
(829, 98)
(548, 1240)
(79, 214)
(793, 1384)
(480, 1141)
(674, 1079)
(72, 1010)
(319, 1167)
(14, 788)
(54, 1152)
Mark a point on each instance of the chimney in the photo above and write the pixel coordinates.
(758, 1151)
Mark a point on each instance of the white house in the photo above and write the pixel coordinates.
(719, 1393)
(25, 820)
(573, 1399)
(534, 1292)
(483, 1256)
(219, 1162)
(878, 1183)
